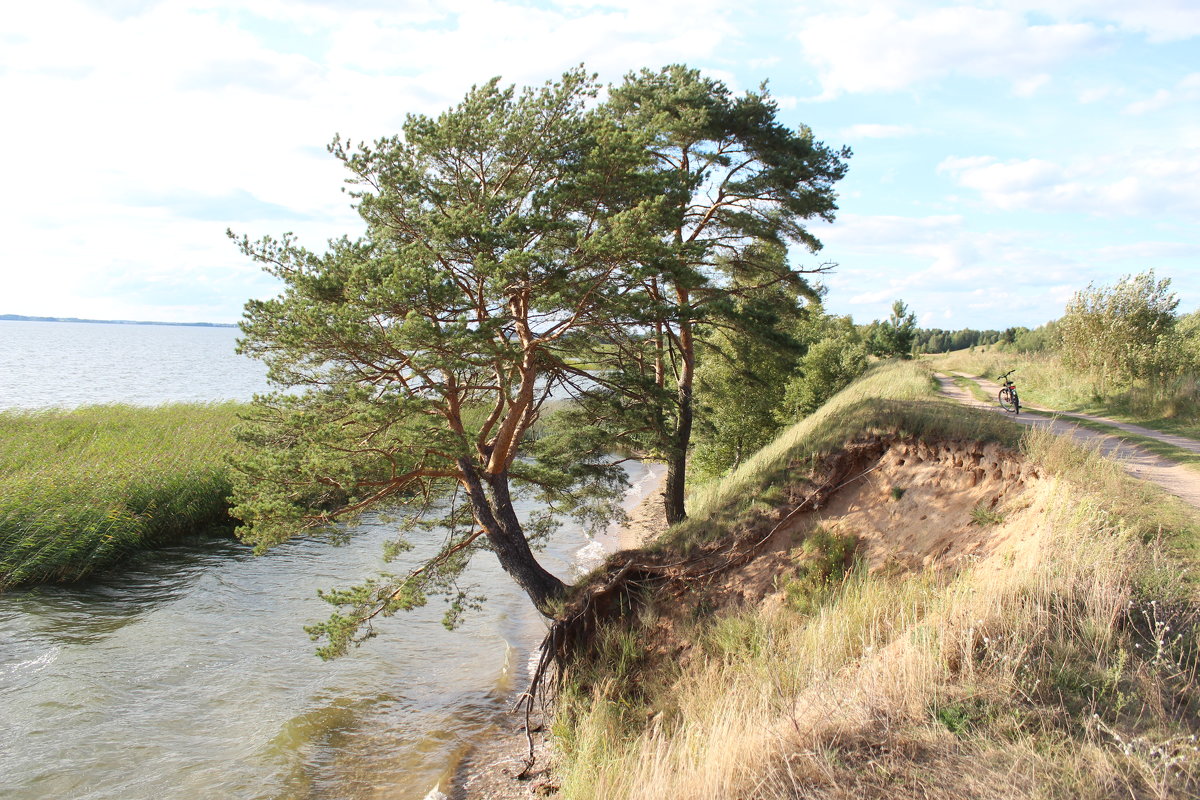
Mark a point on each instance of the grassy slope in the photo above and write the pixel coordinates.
(1073, 677)
(82, 489)
(1044, 380)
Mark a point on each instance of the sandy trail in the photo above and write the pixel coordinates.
(1169, 438)
(1175, 478)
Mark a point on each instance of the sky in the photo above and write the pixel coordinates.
(1006, 154)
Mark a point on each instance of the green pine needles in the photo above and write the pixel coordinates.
(510, 241)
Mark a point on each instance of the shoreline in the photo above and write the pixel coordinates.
(646, 519)
(489, 770)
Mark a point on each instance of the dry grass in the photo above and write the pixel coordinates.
(1066, 669)
(893, 397)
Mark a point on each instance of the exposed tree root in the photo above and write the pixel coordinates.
(611, 593)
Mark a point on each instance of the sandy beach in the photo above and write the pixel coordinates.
(647, 519)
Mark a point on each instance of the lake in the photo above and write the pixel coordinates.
(189, 674)
(78, 363)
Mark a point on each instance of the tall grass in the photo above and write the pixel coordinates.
(1173, 405)
(1066, 669)
(82, 489)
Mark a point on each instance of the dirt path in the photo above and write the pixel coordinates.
(1182, 442)
(1142, 464)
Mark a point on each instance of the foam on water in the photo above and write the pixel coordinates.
(34, 664)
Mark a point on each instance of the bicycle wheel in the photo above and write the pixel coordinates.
(1006, 399)
(1016, 402)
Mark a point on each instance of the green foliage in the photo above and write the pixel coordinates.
(895, 335)
(939, 340)
(829, 366)
(822, 562)
(982, 515)
(82, 490)
(419, 357)
(1188, 330)
(1043, 339)
(745, 367)
(962, 717)
(730, 178)
(1122, 332)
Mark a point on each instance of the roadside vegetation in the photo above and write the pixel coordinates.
(1065, 668)
(1180, 455)
(81, 490)
(1118, 351)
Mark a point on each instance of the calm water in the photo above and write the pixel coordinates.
(191, 676)
(70, 364)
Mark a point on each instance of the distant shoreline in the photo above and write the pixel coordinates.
(20, 318)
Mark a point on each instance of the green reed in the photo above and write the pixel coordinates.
(83, 489)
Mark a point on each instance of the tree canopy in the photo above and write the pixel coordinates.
(521, 244)
(1122, 332)
(418, 358)
(730, 178)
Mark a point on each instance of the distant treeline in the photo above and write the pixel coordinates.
(21, 318)
(1021, 339)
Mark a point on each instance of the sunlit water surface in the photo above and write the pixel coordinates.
(78, 363)
(190, 675)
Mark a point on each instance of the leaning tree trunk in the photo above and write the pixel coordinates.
(499, 521)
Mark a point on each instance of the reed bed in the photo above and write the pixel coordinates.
(83, 489)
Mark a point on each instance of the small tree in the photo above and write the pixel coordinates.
(830, 364)
(417, 360)
(1122, 332)
(1188, 329)
(895, 335)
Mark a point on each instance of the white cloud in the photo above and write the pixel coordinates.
(1096, 94)
(1187, 90)
(130, 134)
(1152, 183)
(877, 131)
(1158, 20)
(878, 49)
(970, 278)
(1147, 251)
(1028, 87)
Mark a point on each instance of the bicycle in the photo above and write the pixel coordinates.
(1009, 399)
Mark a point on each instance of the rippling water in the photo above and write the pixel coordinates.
(77, 363)
(189, 675)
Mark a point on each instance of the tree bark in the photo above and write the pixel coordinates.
(498, 518)
(673, 495)
(681, 438)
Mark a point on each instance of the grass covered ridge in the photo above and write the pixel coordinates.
(1070, 673)
(83, 489)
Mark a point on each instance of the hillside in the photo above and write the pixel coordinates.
(899, 597)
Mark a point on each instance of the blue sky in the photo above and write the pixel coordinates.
(1006, 154)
